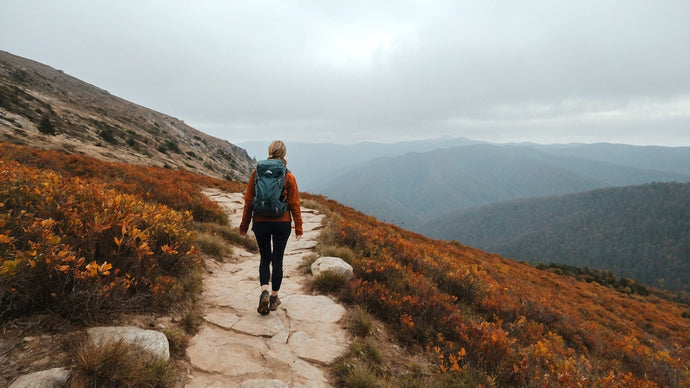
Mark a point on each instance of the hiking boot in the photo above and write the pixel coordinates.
(263, 303)
(274, 302)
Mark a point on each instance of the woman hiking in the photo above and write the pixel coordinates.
(271, 218)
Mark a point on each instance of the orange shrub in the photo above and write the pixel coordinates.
(101, 236)
(177, 189)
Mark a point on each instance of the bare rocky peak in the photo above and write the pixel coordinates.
(46, 108)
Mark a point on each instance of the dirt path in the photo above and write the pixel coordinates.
(237, 347)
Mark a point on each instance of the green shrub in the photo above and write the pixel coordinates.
(108, 135)
(46, 127)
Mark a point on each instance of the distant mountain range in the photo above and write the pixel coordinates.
(46, 108)
(412, 188)
(315, 163)
(640, 232)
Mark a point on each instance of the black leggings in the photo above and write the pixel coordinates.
(264, 232)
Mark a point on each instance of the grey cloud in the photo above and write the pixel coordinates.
(492, 70)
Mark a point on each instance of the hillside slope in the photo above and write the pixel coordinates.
(640, 232)
(417, 187)
(496, 322)
(44, 107)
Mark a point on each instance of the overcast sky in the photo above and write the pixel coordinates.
(349, 71)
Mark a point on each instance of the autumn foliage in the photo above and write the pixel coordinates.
(512, 323)
(79, 236)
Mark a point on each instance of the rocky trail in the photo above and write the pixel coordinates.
(290, 347)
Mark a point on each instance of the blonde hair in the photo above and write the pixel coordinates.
(277, 150)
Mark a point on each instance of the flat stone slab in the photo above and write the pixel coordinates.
(313, 308)
(311, 349)
(231, 354)
(223, 319)
(311, 375)
(259, 325)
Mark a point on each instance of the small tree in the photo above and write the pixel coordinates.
(46, 127)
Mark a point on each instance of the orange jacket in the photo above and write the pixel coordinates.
(293, 213)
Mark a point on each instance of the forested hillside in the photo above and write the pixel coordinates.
(416, 187)
(640, 232)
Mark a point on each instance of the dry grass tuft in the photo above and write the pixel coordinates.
(305, 266)
(358, 375)
(190, 322)
(330, 282)
(213, 245)
(342, 252)
(366, 349)
(316, 205)
(361, 323)
(117, 364)
(178, 340)
(227, 233)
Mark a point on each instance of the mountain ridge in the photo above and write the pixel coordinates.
(45, 107)
(415, 187)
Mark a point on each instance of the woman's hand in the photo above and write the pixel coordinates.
(299, 236)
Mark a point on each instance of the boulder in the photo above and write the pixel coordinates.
(334, 264)
(150, 340)
(51, 378)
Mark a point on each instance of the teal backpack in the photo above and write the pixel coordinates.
(269, 184)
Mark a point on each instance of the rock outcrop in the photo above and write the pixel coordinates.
(46, 108)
